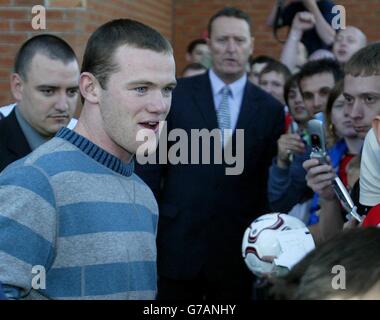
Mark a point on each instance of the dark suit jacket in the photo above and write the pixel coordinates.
(203, 213)
(13, 144)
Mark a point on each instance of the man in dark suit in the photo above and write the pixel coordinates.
(203, 209)
(45, 86)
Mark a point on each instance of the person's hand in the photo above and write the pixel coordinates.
(351, 224)
(287, 144)
(319, 178)
(303, 21)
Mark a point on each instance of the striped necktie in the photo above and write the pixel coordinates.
(223, 114)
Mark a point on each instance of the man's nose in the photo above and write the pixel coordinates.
(62, 103)
(356, 110)
(231, 45)
(159, 103)
(317, 101)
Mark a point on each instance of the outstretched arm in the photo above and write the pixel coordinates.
(302, 21)
(324, 30)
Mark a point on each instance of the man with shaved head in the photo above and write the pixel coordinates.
(347, 42)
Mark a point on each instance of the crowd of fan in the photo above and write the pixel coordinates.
(331, 75)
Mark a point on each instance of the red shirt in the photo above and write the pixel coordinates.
(343, 168)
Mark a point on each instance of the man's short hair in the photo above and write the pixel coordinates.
(231, 12)
(365, 62)
(194, 66)
(193, 44)
(47, 44)
(260, 59)
(278, 67)
(357, 250)
(313, 68)
(99, 59)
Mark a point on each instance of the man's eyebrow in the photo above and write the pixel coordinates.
(139, 82)
(149, 83)
(48, 86)
(371, 93)
(45, 86)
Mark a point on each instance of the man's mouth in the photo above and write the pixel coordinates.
(299, 109)
(230, 60)
(361, 128)
(152, 125)
(341, 52)
(59, 116)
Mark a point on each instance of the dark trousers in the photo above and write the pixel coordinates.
(202, 288)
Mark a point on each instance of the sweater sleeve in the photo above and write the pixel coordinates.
(286, 187)
(27, 229)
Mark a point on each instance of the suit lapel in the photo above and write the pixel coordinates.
(249, 108)
(204, 101)
(16, 141)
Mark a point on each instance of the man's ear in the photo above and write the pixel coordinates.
(253, 45)
(89, 87)
(17, 86)
(376, 127)
(208, 42)
(188, 57)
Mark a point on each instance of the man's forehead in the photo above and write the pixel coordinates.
(42, 61)
(126, 54)
(144, 66)
(360, 84)
(325, 79)
(273, 75)
(201, 47)
(230, 26)
(351, 31)
(46, 70)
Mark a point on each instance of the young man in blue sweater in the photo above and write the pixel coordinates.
(75, 221)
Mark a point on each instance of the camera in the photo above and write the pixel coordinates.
(318, 151)
(318, 140)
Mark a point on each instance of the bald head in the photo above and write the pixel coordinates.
(347, 42)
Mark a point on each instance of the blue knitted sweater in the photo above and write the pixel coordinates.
(82, 215)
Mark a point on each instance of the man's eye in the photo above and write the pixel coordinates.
(72, 92)
(349, 100)
(141, 89)
(308, 96)
(325, 92)
(168, 90)
(369, 99)
(47, 92)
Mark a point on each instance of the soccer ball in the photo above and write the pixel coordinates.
(259, 240)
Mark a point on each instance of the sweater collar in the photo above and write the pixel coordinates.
(95, 152)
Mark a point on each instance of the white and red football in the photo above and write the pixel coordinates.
(259, 240)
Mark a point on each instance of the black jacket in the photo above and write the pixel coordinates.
(13, 144)
(203, 213)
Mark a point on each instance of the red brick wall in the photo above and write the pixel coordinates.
(179, 20)
(74, 20)
(191, 17)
